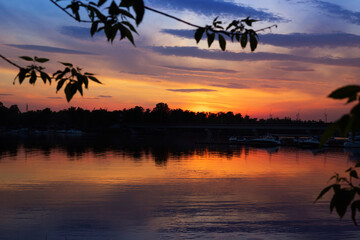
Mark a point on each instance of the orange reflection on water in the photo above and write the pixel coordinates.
(121, 167)
(206, 191)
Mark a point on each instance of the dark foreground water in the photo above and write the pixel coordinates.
(141, 192)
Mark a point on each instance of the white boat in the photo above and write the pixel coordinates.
(70, 132)
(353, 143)
(312, 142)
(264, 141)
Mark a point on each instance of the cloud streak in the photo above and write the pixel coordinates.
(214, 7)
(192, 90)
(259, 56)
(91, 98)
(104, 96)
(231, 85)
(291, 40)
(76, 32)
(217, 70)
(49, 49)
(336, 10)
(294, 69)
(55, 98)
(268, 86)
(311, 40)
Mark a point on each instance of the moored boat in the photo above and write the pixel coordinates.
(353, 142)
(291, 141)
(311, 142)
(236, 139)
(264, 141)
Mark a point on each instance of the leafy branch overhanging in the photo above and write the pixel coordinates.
(120, 19)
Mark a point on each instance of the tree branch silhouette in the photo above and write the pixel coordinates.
(173, 17)
(69, 14)
(7, 60)
(116, 21)
(235, 30)
(197, 26)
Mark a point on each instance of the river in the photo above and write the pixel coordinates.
(169, 192)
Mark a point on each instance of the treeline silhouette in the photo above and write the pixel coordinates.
(101, 119)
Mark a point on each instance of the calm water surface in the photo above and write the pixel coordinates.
(223, 192)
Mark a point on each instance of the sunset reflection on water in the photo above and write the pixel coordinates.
(204, 192)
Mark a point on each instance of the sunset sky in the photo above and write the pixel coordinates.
(314, 50)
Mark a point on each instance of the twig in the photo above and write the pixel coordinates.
(169, 16)
(164, 14)
(269, 27)
(197, 26)
(72, 16)
(12, 63)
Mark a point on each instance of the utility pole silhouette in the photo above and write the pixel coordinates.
(325, 117)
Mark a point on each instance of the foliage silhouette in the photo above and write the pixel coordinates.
(346, 191)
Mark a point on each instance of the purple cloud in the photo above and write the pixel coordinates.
(49, 49)
(258, 56)
(333, 9)
(218, 70)
(294, 69)
(214, 7)
(291, 40)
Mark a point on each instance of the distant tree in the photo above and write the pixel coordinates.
(135, 114)
(14, 109)
(161, 107)
(161, 112)
(247, 118)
